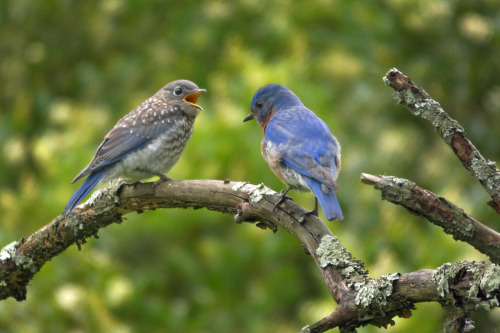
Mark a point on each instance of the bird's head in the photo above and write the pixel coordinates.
(185, 94)
(268, 99)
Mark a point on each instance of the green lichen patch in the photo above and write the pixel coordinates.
(461, 224)
(259, 191)
(395, 189)
(430, 110)
(102, 198)
(409, 98)
(19, 258)
(484, 281)
(8, 251)
(306, 329)
(332, 252)
(487, 278)
(375, 290)
(25, 262)
(444, 274)
(487, 171)
(238, 186)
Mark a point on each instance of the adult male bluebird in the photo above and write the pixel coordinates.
(146, 142)
(298, 146)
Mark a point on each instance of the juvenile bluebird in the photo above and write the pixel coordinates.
(146, 142)
(298, 146)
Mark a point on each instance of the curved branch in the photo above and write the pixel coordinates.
(438, 211)
(420, 103)
(361, 300)
(20, 261)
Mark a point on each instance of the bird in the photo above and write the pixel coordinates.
(146, 142)
(298, 147)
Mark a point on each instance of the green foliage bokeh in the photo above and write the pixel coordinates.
(70, 69)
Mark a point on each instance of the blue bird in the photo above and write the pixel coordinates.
(298, 146)
(146, 142)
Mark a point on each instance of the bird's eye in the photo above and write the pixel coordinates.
(259, 104)
(177, 91)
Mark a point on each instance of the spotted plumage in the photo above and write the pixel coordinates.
(148, 141)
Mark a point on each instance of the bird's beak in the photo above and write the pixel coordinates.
(248, 117)
(192, 97)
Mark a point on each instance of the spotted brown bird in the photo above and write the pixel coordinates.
(146, 142)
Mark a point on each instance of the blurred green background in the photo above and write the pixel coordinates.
(70, 69)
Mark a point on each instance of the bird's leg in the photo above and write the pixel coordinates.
(283, 196)
(162, 179)
(162, 176)
(311, 212)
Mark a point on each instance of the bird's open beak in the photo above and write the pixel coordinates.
(248, 117)
(192, 98)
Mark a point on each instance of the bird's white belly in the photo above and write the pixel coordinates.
(159, 156)
(289, 176)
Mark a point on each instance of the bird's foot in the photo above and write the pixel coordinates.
(154, 173)
(311, 212)
(139, 182)
(162, 179)
(283, 198)
(303, 216)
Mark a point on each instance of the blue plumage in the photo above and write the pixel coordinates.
(83, 190)
(146, 142)
(298, 146)
(327, 200)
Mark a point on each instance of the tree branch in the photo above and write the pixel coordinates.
(19, 261)
(420, 103)
(361, 300)
(438, 211)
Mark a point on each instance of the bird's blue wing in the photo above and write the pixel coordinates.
(305, 145)
(327, 200)
(83, 190)
(116, 145)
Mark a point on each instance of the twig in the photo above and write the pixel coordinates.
(438, 211)
(420, 103)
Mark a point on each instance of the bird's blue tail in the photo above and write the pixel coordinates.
(83, 190)
(327, 201)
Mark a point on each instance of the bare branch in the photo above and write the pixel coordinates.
(420, 103)
(438, 211)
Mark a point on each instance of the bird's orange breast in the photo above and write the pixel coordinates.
(266, 120)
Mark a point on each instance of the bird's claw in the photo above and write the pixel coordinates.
(303, 216)
(161, 180)
(284, 197)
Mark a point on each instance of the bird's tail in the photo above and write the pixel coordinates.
(83, 190)
(327, 200)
